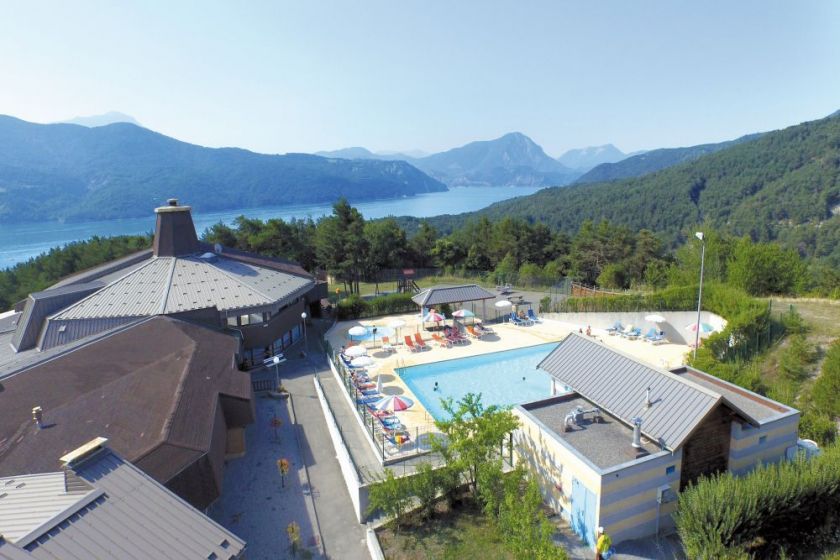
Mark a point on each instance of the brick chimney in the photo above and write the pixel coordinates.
(175, 232)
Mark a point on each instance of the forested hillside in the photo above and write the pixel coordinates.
(655, 160)
(783, 186)
(71, 172)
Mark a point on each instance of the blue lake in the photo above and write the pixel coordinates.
(19, 242)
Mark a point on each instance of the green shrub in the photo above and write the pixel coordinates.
(391, 495)
(355, 307)
(825, 394)
(791, 506)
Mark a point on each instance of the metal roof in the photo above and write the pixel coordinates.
(28, 502)
(132, 517)
(451, 294)
(174, 284)
(617, 383)
(137, 293)
(756, 408)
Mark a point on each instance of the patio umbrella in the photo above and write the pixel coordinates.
(397, 324)
(705, 328)
(358, 331)
(655, 318)
(463, 313)
(355, 351)
(393, 402)
(433, 317)
(362, 361)
(502, 303)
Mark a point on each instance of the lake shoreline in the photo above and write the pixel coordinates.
(21, 241)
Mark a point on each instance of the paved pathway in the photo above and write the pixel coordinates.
(256, 507)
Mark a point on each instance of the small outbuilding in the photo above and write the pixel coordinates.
(624, 438)
(449, 295)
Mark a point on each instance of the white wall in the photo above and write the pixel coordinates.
(674, 326)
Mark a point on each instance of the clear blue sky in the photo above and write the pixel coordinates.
(304, 76)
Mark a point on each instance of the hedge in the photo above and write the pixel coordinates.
(355, 307)
(792, 508)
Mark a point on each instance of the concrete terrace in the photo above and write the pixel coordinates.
(507, 337)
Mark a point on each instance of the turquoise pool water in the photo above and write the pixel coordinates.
(502, 378)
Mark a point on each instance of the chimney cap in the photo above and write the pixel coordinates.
(172, 206)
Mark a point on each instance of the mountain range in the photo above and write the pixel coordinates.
(104, 119)
(72, 172)
(781, 185)
(654, 160)
(510, 160)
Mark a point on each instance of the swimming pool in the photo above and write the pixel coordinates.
(503, 378)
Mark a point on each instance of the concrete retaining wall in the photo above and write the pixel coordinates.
(373, 546)
(674, 326)
(348, 469)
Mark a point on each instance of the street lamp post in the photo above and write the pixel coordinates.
(699, 235)
(303, 317)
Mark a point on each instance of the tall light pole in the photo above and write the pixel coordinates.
(303, 317)
(699, 235)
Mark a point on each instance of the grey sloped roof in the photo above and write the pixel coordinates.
(451, 294)
(131, 517)
(617, 383)
(166, 285)
(29, 501)
(137, 293)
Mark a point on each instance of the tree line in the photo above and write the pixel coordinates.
(508, 250)
(353, 249)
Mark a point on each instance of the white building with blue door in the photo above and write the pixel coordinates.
(617, 448)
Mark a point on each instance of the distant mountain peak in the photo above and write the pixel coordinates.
(584, 159)
(111, 117)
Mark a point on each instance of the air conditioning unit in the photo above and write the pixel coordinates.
(666, 495)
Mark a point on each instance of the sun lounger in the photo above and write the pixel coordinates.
(441, 341)
(410, 344)
(386, 345)
(533, 316)
(473, 333)
(419, 341)
(655, 337)
(367, 399)
(627, 331)
(519, 321)
(455, 337)
(632, 333)
(617, 328)
(484, 330)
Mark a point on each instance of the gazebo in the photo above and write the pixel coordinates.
(440, 295)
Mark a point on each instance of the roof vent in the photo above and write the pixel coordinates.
(38, 417)
(172, 202)
(83, 452)
(648, 402)
(637, 432)
(578, 415)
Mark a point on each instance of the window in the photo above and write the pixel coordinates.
(231, 322)
(762, 440)
(670, 469)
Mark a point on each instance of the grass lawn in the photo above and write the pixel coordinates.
(451, 534)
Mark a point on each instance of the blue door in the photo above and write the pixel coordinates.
(583, 512)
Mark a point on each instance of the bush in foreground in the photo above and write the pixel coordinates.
(784, 510)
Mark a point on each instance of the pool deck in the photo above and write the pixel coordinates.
(506, 337)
